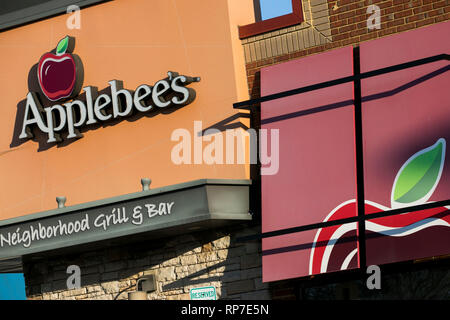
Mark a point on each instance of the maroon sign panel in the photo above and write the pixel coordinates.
(316, 178)
(406, 131)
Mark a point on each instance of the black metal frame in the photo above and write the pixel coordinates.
(361, 216)
(253, 102)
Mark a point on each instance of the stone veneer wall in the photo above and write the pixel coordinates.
(207, 258)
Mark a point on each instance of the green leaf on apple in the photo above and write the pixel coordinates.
(419, 176)
(62, 45)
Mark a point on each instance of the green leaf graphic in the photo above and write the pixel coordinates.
(419, 176)
(62, 45)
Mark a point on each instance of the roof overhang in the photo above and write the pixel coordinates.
(163, 212)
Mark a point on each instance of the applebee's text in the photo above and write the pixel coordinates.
(71, 116)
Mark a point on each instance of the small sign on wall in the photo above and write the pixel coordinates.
(204, 293)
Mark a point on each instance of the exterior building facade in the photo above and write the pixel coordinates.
(144, 150)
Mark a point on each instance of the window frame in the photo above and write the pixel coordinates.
(287, 20)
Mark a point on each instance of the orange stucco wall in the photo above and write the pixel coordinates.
(136, 41)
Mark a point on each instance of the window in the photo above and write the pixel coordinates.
(269, 9)
(272, 15)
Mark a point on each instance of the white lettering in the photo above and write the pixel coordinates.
(139, 97)
(74, 133)
(70, 228)
(137, 216)
(51, 122)
(36, 109)
(186, 92)
(91, 95)
(120, 110)
(159, 89)
(99, 106)
(57, 117)
(169, 207)
(151, 210)
(100, 221)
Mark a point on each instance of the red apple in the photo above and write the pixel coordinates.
(408, 236)
(57, 73)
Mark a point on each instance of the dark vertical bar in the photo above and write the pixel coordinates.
(359, 161)
(255, 169)
(257, 8)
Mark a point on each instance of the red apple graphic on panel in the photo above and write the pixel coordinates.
(407, 236)
(57, 73)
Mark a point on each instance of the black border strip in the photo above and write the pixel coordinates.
(45, 10)
(255, 102)
(370, 216)
(359, 157)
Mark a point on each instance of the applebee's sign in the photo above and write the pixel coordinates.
(60, 79)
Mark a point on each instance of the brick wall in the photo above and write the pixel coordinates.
(314, 30)
(210, 258)
(348, 26)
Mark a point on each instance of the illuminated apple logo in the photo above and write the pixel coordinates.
(57, 73)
